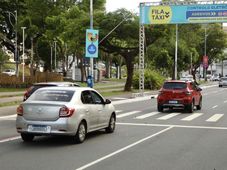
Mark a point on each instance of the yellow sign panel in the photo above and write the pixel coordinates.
(160, 14)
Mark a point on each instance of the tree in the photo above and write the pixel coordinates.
(123, 40)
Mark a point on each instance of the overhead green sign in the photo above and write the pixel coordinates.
(183, 14)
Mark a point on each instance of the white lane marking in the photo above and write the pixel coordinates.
(119, 111)
(119, 98)
(8, 117)
(166, 117)
(225, 101)
(9, 139)
(146, 115)
(131, 100)
(191, 117)
(215, 118)
(123, 149)
(214, 106)
(127, 114)
(178, 126)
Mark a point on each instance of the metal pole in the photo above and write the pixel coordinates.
(51, 57)
(15, 27)
(23, 28)
(205, 53)
(175, 63)
(191, 65)
(91, 27)
(55, 54)
(16, 53)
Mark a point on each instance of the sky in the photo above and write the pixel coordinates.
(132, 5)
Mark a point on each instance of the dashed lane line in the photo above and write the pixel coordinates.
(214, 106)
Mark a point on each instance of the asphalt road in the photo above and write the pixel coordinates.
(144, 139)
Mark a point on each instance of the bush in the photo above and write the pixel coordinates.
(152, 80)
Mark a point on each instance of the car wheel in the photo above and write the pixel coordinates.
(220, 85)
(27, 137)
(81, 133)
(191, 107)
(199, 107)
(112, 123)
(160, 108)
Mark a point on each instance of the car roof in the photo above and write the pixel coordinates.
(66, 88)
(60, 83)
(177, 81)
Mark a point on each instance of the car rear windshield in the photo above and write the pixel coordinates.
(174, 85)
(224, 79)
(52, 95)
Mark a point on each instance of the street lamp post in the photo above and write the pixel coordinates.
(205, 53)
(51, 57)
(55, 54)
(16, 52)
(91, 27)
(23, 28)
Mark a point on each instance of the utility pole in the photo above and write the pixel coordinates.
(23, 28)
(175, 60)
(55, 55)
(91, 27)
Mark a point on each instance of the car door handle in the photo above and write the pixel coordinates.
(87, 110)
(100, 110)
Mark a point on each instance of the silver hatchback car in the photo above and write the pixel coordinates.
(71, 111)
(223, 81)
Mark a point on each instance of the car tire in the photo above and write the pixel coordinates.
(191, 107)
(27, 137)
(81, 133)
(160, 108)
(112, 124)
(199, 107)
(220, 85)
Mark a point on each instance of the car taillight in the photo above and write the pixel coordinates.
(66, 112)
(20, 110)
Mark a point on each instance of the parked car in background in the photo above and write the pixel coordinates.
(69, 111)
(223, 81)
(36, 86)
(187, 78)
(215, 77)
(178, 93)
(9, 72)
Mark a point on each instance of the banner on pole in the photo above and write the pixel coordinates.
(92, 43)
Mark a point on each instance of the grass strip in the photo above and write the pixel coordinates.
(10, 103)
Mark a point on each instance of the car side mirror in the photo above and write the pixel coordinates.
(199, 89)
(108, 101)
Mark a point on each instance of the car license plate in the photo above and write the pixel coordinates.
(39, 128)
(173, 102)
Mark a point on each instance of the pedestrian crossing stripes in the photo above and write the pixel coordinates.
(215, 118)
(167, 116)
(191, 117)
(147, 115)
(127, 114)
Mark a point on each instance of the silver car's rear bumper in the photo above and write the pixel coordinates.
(58, 127)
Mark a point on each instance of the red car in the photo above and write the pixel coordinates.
(177, 93)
